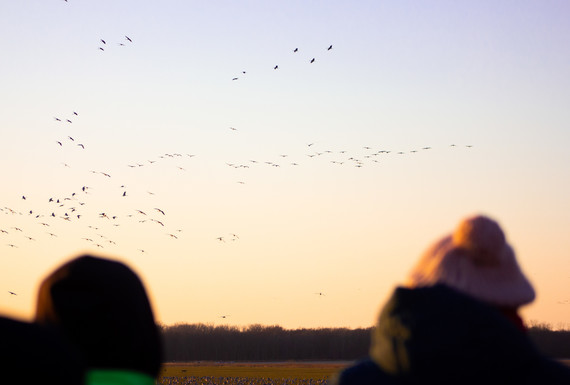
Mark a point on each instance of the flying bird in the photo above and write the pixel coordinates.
(82, 146)
(160, 211)
(296, 49)
(275, 67)
(330, 47)
(12, 293)
(103, 41)
(312, 60)
(128, 38)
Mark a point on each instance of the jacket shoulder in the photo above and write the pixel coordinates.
(364, 372)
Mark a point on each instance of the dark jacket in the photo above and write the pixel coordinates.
(437, 335)
(33, 354)
(102, 307)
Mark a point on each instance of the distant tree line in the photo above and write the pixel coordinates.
(200, 342)
(193, 342)
(552, 343)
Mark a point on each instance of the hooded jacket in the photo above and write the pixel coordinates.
(436, 335)
(102, 307)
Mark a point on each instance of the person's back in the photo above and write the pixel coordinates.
(456, 320)
(33, 354)
(102, 307)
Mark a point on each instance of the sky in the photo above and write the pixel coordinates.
(300, 195)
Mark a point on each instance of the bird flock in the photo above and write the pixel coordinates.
(71, 207)
(276, 66)
(44, 211)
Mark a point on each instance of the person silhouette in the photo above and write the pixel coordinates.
(102, 308)
(456, 321)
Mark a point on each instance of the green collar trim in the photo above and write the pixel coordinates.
(117, 377)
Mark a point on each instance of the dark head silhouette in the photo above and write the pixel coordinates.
(102, 307)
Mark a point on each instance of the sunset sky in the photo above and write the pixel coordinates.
(328, 177)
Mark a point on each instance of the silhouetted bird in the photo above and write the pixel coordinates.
(330, 47)
(275, 67)
(103, 41)
(312, 60)
(128, 38)
(296, 49)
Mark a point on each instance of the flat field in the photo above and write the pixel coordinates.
(253, 373)
(249, 373)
